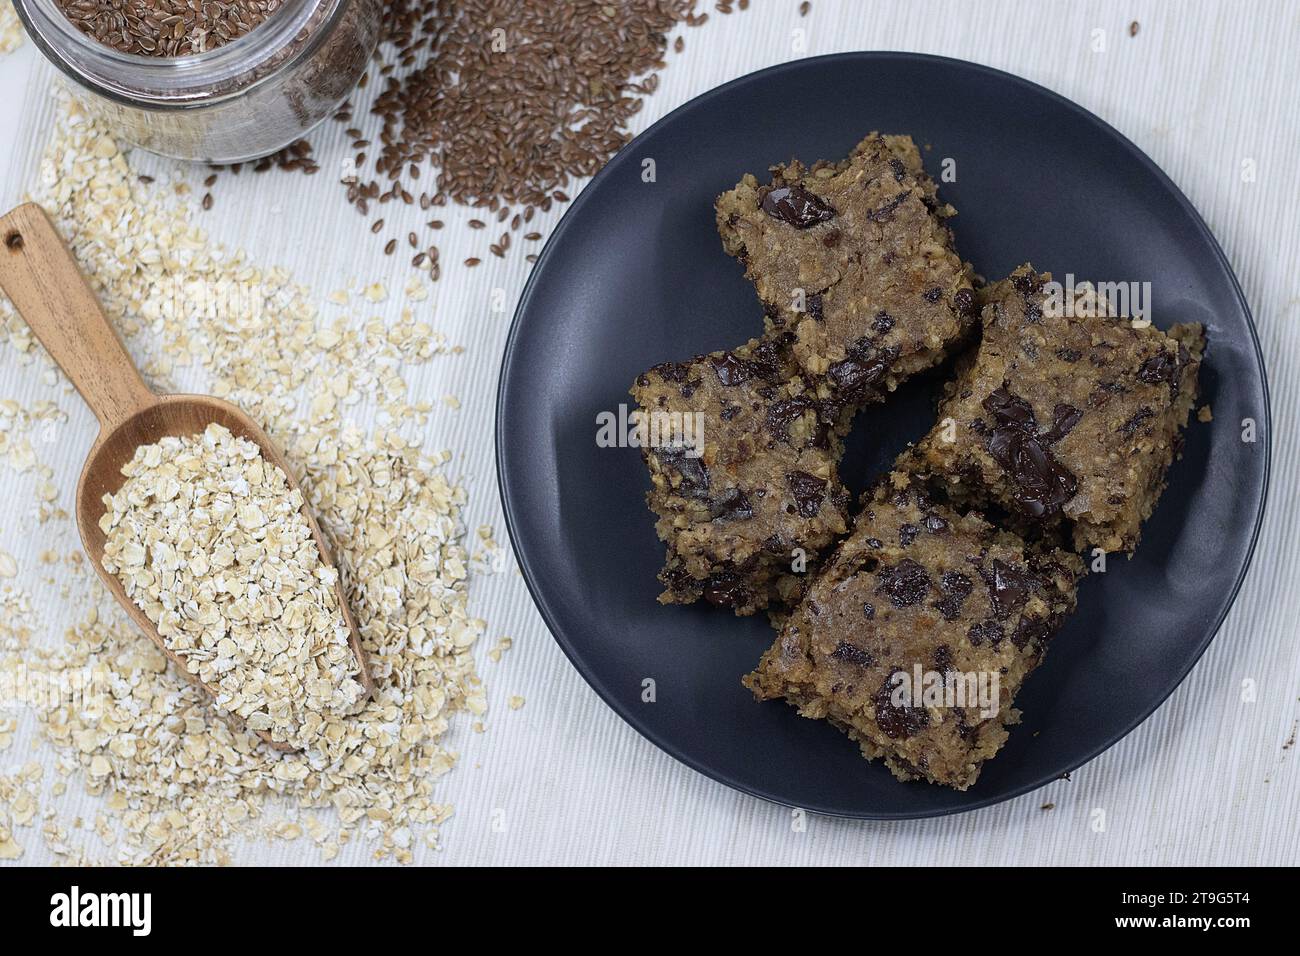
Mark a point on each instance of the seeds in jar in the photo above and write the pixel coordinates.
(209, 540)
(166, 28)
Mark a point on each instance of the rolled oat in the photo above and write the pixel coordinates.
(209, 540)
(176, 783)
(11, 30)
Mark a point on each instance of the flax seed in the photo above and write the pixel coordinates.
(168, 28)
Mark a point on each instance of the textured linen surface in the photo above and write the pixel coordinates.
(1210, 778)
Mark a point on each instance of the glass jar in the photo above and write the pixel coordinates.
(245, 99)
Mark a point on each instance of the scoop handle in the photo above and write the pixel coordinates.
(45, 285)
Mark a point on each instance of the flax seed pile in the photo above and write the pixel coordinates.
(513, 99)
(210, 542)
(167, 28)
(507, 101)
(179, 784)
(496, 105)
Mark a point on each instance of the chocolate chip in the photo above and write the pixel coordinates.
(956, 588)
(732, 505)
(672, 371)
(1166, 367)
(1064, 418)
(869, 611)
(907, 534)
(797, 206)
(906, 583)
(1009, 588)
(941, 661)
(853, 654)
(935, 524)
(875, 543)
(1069, 355)
(690, 469)
(883, 321)
(1031, 630)
(1136, 421)
(857, 373)
(886, 212)
(766, 358)
(932, 295)
(1157, 368)
(899, 169)
(1026, 283)
(781, 415)
(897, 722)
(985, 631)
(964, 300)
(730, 369)
(726, 590)
(814, 304)
(965, 730)
(808, 490)
(1008, 409)
(1042, 484)
(729, 412)
(1103, 392)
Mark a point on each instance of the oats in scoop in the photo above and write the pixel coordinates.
(210, 542)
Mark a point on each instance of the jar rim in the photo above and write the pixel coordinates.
(197, 79)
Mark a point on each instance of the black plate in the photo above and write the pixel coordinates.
(635, 275)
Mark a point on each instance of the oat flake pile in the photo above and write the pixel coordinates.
(11, 30)
(178, 783)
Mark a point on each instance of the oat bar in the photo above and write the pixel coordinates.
(743, 454)
(921, 591)
(1064, 417)
(855, 259)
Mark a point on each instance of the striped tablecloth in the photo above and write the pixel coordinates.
(1210, 778)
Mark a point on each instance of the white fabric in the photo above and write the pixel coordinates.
(1208, 779)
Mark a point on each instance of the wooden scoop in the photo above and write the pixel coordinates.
(47, 288)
